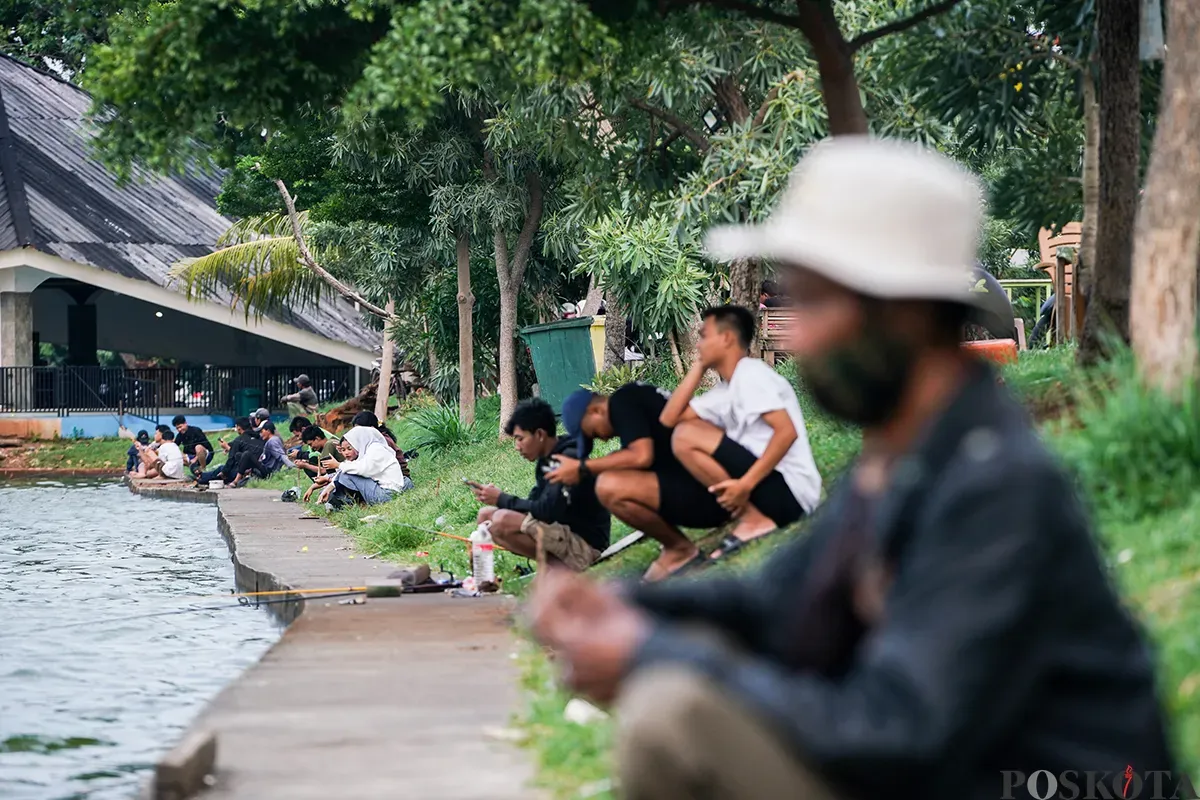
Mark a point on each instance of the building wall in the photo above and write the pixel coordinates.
(126, 324)
(89, 425)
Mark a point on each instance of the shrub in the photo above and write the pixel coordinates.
(438, 428)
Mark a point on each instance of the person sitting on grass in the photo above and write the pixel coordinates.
(320, 453)
(947, 619)
(248, 441)
(370, 473)
(369, 420)
(197, 450)
(270, 460)
(260, 416)
(573, 527)
(163, 459)
(304, 401)
(642, 484)
(745, 438)
(133, 454)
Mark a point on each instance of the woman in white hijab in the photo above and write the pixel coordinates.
(370, 472)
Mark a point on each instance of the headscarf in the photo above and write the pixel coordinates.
(361, 437)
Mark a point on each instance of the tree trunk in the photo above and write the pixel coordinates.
(591, 304)
(835, 65)
(466, 332)
(1091, 197)
(509, 274)
(508, 334)
(745, 282)
(385, 366)
(1120, 132)
(614, 333)
(1167, 248)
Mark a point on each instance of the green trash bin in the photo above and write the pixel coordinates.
(562, 357)
(246, 402)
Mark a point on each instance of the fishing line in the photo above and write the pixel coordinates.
(242, 603)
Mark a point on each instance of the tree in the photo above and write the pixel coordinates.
(1166, 249)
(1118, 22)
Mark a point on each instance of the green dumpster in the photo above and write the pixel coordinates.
(562, 357)
(246, 402)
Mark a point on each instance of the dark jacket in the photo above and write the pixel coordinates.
(578, 508)
(1001, 646)
(245, 446)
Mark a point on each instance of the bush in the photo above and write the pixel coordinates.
(659, 372)
(438, 428)
(1135, 451)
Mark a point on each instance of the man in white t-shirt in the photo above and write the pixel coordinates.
(745, 439)
(163, 459)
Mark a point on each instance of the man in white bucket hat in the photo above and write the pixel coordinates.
(945, 629)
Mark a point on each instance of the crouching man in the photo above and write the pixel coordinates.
(574, 528)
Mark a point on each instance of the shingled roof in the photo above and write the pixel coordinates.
(57, 198)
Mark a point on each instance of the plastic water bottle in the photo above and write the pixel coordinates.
(483, 556)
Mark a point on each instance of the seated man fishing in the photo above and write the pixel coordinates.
(162, 459)
(745, 438)
(573, 527)
(247, 445)
(947, 620)
(270, 460)
(642, 484)
(197, 450)
(319, 453)
(133, 454)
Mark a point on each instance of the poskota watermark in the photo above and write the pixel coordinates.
(1127, 784)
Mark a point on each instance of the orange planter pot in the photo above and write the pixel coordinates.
(1001, 351)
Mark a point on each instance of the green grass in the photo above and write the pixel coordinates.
(80, 454)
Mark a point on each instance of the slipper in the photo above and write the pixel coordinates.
(698, 561)
(731, 544)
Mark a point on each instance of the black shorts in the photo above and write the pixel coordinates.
(683, 500)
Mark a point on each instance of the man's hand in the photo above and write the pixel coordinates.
(593, 631)
(224, 445)
(732, 494)
(330, 463)
(567, 471)
(325, 493)
(488, 495)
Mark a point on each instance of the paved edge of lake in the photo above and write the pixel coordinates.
(408, 695)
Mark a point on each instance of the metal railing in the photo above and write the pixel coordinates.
(143, 392)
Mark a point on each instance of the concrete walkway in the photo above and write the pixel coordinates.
(394, 698)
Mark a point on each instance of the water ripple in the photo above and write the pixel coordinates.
(89, 552)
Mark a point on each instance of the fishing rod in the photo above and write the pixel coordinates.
(242, 603)
(354, 589)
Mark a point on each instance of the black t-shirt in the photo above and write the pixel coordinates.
(191, 437)
(634, 410)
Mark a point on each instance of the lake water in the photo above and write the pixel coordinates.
(88, 698)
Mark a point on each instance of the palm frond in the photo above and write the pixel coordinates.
(259, 264)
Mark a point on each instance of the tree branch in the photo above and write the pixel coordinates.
(858, 42)
(533, 184)
(307, 258)
(694, 136)
(761, 114)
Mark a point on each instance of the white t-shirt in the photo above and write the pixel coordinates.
(738, 407)
(172, 458)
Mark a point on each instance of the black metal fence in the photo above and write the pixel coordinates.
(144, 392)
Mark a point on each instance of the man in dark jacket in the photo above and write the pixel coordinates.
(947, 623)
(574, 528)
(247, 445)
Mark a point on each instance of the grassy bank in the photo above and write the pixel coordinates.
(1136, 458)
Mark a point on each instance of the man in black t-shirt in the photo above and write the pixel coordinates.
(197, 450)
(572, 525)
(642, 484)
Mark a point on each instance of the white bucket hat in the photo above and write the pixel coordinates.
(884, 218)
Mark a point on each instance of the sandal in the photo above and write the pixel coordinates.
(698, 561)
(731, 544)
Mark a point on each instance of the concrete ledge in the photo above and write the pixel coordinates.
(181, 773)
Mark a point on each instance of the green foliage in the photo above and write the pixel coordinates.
(437, 429)
(1135, 451)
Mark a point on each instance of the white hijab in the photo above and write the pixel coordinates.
(361, 437)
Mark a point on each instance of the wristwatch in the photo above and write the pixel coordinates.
(584, 472)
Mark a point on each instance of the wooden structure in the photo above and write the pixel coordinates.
(773, 328)
(1063, 280)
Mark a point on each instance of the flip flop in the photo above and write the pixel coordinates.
(731, 544)
(698, 561)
